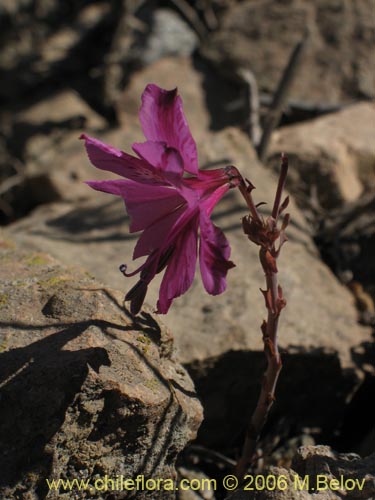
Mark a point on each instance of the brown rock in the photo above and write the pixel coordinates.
(85, 390)
(334, 154)
(51, 129)
(260, 35)
(43, 138)
(45, 41)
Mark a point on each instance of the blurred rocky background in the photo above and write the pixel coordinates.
(257, 77)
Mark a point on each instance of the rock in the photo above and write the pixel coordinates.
(38, 138)
(145, 34)
(44, 41)
(57, 109)
(346, 238)
(334, 154)
(42, 135)
(223, 350)
(368, 443)
(326, 471)
(260, 35)
(195, 478)
(170, 36)
(86, 391)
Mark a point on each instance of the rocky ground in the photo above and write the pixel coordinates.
(86, 389)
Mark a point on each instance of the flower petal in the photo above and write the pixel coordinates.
(211, 185)
(214, 252)
(180, 270)
(159, 155)
(137, 294)
(162, 119)
(145, 204)
(157, 235)
(109, 158)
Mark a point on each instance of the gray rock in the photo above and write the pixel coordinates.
(261, 34)
(329, 475)
(195, 478)
(85, 390)
(170, 36)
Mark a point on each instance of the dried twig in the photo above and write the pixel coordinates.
(209, 15)
(10, 182)
(210, 455)
(280, 96)
(255, 130)
(192, 17)
(6, 208)
(302, 108)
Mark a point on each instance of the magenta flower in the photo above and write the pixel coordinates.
(170, 200)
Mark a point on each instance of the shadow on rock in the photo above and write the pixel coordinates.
(38, 382)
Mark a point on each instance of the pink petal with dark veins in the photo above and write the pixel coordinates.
(109, 158)
(162, 119)
(159, 155)
(158, 235)
(214, 252)
(145, 204)
(180, 270)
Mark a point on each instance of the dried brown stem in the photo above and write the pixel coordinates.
(280, 185)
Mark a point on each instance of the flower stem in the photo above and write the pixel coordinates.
(267, 392)
(246, 193)
(265, 233)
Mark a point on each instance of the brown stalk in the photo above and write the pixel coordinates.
(265, 233)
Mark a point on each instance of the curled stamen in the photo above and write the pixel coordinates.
(124, 267)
